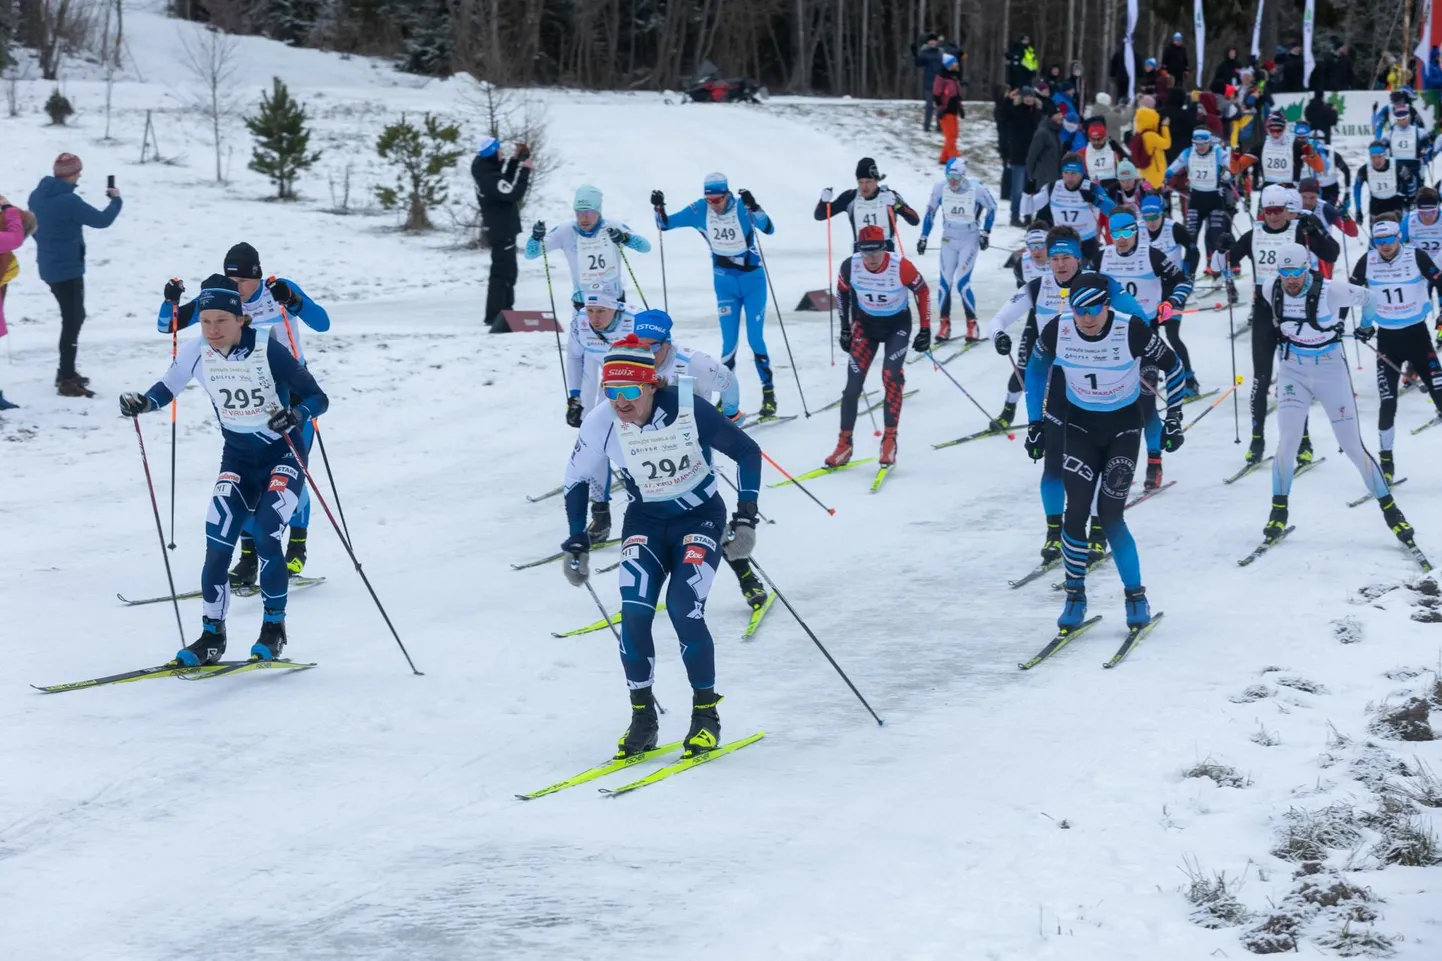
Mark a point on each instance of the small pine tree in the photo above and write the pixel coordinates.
(290, 20)
(58, 107)
(421, 156)
(281, 140)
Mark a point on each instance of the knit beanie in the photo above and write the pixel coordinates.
(242, 261)
(218, 293)
(629, 362)
(67, 165)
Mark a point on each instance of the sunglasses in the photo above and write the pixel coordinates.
(1090, 310)
(623, 392)
(1385, 241)
(1035, 247)
(1427, 210)
(1152, 215)
(1122, 233)
(1274, 210)
(1291, 271)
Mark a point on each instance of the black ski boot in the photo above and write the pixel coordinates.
(1258, 448)
(1051, 549)
(705, 733)
(1277, 522)
(1154, 472)
(1097, 546)
(768, 402)
(209, 649)
(243, 574)
(1389, 467)
(295, 551)
(751, 587)
(1008, 414)
(1393, 515)
(645, 727)
(600, 529)
(271, 642)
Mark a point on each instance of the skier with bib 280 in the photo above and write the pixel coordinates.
(675, 526)
(260, 392)
(593, 246)
(967, 213)
(729, 224)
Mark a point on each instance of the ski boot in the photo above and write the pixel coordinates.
(1277, 522)
(943, 332)
(271, 642)
(888, 447)
(1139, 612)
(600, 527)
(1392, 514)
(1074, 611)
(1154, 472)
(705, 733)
(1191, 388)
(209, 649)
(751, 587)
(1097, 544)
(768, 401)
(1304, 453)
(1258, 448)
(972, 334)
(1008, 414)
(842, 454)
(7, 405)
(1389, 468)
(243, 574)
(645, 727)
(295, 551)
(1051, 548)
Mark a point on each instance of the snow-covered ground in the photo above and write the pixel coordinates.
(358, 812)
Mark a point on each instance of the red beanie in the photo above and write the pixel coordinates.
(67, 165)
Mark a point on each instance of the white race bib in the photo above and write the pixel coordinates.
(1101, 163)
(1134, 272)
(871, 213)
(1100, 375)
(1071, 208)
(958, 208)
(666, 462)
(1265, 250)
(1382, 183)
(1277, 162)
(1426, 237)
(1404, 143)
(597, 261)
(243, 391)
(1399, 291)
(725, 233)
(879, 294)
(1202, 171)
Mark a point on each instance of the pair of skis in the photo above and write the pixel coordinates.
(202, 672)
(1412, 550)
(1066, 636)
(661, 774)
(296, 584)
(757, 613)
(1267, 460)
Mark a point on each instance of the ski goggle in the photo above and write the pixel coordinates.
(1385, 240)
(1124, 233)
(1273, 210)
(1292, 272)
(622, 391)
(1035, 245)
(1089, 310)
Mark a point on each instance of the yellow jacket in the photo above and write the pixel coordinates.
(1157, 139)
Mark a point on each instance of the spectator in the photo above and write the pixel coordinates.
(60, 215)
(1147, 82)
(1227, 71)
(1321, 115)
(928, 60)
(1175, 61)
(1021, 63)
(502, 190)
(1180, 113)
(1293, 70)
(15, 226)
(1341, 77)
(1118, 118)
(1149, 146)
(1432, 83)
(1043, 157)
(1209, 111)
(1019, 116)
(946, 96)
(1117, 71)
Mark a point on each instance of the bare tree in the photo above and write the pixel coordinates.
(212, 60)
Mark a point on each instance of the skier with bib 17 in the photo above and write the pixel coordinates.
(675, 526)
(262, 396)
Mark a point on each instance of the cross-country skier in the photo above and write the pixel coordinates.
(1335, 177)
(1281, 158)
(1205, 166)
(968, 211)
(1176, 242)
(1409, 146)
(1387, 185)
(737, 274)
(260, 392)
(1027, 264)
(594, 247)
(1097, 357)
(675, 526)
(872, 289)
(1131, 186)
(1422, 228)
(270, 307)
(1101, 155)
(1075, 202)
(1314, 367)
(868, 204)
(1400, 279)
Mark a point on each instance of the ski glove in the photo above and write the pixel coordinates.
(1172, 436)
(618, 236)
(284, 296)
(658, 199)
(748, 200)
(1439, 338)
(573, 412)
(888, 199)
(741, 533)
(577, 563)
(1364, 334)
(1002, 343)
(538, 232)
(173, 289)
(985, 240)
(133, 404)
(1035, 443)
(922, 343)
(1165, 311)
(845, 339)
(920, 246)
(826, 196)
(285, 420)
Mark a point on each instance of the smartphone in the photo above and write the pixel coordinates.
(110, 182)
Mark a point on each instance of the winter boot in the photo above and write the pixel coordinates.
(73, 387)
(59, 377)
(271, 642)
(768, 402)
(705, 733)
(295, 551)
(1097, 546)
(1277, 522)
(1304, 453)
(1257, 449)
(600, 527)
(243, 574)
(943, 332)
(1154, 471)
(645, 727)
(209, 649)
(1389, 467)
(1139, 612)
(842, 454)
(1393, 515)
(1051, 549)
(1074, 611)
(751, 587)
(1002, 422)
(888, 447)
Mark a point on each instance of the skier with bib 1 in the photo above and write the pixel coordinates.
(968, 211)
(260, 392)
(675, 526)
(729, 224)
(593, 246)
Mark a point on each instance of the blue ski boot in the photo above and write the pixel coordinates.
(1139, 612)
(272, 637)
(1075, 610)
(209, 649)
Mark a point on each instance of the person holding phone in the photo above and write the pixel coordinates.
(61, 216)
(501, 188)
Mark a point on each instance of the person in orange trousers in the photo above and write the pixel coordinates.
(946, 96)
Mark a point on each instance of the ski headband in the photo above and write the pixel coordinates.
(1064, 247)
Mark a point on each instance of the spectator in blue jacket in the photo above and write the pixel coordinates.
(60, 252)
(927, 59)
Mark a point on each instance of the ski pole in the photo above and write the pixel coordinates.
(315, 492)
(900, 247)
(829, 510)
(830, 296)
(1383, 358)
(989, 419)
(636, 283)
(1236, 378)
(1213, 405)
(561, 357)
(871, 410)
(661, 242)
(575, 565)
(174, 410)
(732, 484)
(159, 530)
(1346, 265)
(815, 640)
(315, 424)
(786, 340)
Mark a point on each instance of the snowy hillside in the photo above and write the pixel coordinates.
(358, 812)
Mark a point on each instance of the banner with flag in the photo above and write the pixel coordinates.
(1429, 36)
(1130, 52)
(1257, 32)
(1200, 22)
(1309, 62)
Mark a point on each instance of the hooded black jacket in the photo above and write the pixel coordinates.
(501, 191)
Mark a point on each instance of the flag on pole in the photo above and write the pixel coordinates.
(1257, 32)
(1129, 51)
(1200, 22)
(1430, 35)
(1308, 61)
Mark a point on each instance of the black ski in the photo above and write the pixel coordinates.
(1263, 547)
(1133, 638)
(1148, 494)
(1062, 639)
(1035, 572)
(560, 554)
(1367, 497)
(1247, 470)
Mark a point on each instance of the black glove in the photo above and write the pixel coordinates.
(845, 338)
(749, 200)
(173, 289)
(285, 420)
(538, 232)
(576, 566)
(741, 533)
(1035, 443)
(658, 199)
(523, 153)
(576, 300)
(985, 240)
(283, 295)
(133, 404)
(922, 343)
(618, 236)
(1002, 343)
(573, 412)
(1364, 334)
(1172, 436)
(920, 246)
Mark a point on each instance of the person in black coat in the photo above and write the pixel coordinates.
(927, 59)
(501, 189)
(1226, 72)
(1175, 60)
(1321, 114)
(1018, 116)
(1117, 71)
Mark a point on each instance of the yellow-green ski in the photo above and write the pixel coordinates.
(610, 767)
(685, 764)
(823, 471)
(598, 625)
(255, 664)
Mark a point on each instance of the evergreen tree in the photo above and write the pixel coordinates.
(290, 21)
(421, 156)
(281, 140)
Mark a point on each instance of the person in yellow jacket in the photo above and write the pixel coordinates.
(1156, 139)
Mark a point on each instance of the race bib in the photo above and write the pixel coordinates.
(243, 391)
(725, 233)
(1202, 172)
(597, 261)
(958, 208)
(666, 462)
